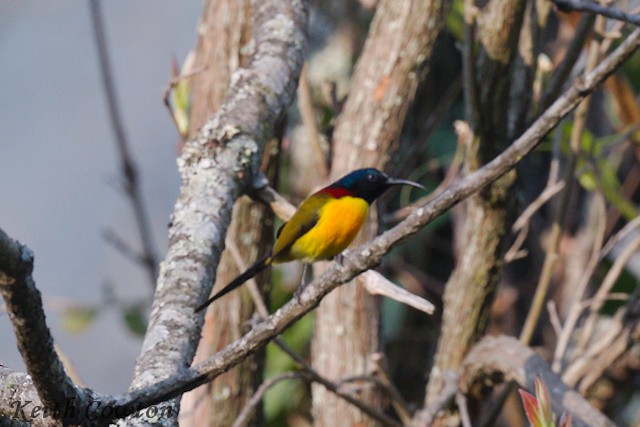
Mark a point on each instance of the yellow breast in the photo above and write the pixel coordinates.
(339, 223)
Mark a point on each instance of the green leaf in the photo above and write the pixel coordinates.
(544, 402)
(181, 95)
(135, 320)
(611, 190)
(588, 180)
(455, 20)
(77, 319)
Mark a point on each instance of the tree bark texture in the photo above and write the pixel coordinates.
(487, 215)
(214, 165)
(223, 29)
(385, 79)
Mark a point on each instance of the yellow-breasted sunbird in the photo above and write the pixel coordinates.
(324, 225)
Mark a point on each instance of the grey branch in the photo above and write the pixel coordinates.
(24, 306)
(214, 167)
(513, 361)
(13, 400)
(588, 6)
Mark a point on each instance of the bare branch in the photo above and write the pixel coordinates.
(573, 51)
(129, 169)
(593, 7)
(214, 166)
(24, 306)
(510, 360)
(377, 284)
(259, 394)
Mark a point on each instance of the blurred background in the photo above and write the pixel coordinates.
(60, 178)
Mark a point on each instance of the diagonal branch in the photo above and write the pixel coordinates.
(221, 159)
(24, 306)
(588, 6)
(512, 361)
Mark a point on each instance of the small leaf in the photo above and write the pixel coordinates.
(544, 402)
(588, 180)
(530, 404)
(76, 319)
(135, 320)
(181, 94)
(611, 188)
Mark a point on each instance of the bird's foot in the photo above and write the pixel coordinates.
(303, 283)
(298, 293)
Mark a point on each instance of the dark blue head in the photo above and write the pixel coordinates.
(368, 183)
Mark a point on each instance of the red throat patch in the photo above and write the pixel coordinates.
(335, 192)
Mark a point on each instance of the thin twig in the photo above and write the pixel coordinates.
(129, 169)
(120, 245)
(576, 309)
(253, 402)
(560, 217)
(468, 64)
(554, 318)
(607, 284)
(573, 51)
(619, 236)
(593, 7)
(461, 401)
(399, 404)
(582, 363)
(522, 223)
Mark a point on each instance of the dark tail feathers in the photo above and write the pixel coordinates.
(255, 268)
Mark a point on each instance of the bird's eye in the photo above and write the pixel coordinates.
(370, 177)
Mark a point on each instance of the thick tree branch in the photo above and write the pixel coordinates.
(588, 6)
(509, 359)
(18, 398)
(24, 306)
(223, 30)
(213, 166)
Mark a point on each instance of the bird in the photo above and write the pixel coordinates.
(324, 224)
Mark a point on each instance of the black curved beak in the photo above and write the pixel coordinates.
(394, 181)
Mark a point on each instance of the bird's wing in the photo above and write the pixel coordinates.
(305, 218)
